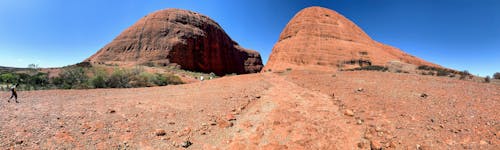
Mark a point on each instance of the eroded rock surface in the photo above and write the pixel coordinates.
(179, 37)
(322, 38)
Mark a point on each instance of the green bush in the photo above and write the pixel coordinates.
(120, 78)
(168, 79)
(442, 73)
(71, 78)
(8, 78)
(98, 81)
(144, 79)
(372, 68)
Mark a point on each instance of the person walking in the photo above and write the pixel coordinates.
(14, 93)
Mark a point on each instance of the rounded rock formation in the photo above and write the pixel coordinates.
(179, 37)
(320, 38)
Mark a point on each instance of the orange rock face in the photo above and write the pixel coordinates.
(179, 37)
(323, 39)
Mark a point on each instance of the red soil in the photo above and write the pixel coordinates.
(290, 110)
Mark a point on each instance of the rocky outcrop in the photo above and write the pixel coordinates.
(179, 37)
(320, 38)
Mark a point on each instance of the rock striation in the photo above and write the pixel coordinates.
(320, 38)
(183, 38)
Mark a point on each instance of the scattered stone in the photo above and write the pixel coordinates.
(230, 117)
(483, 142)
(19, 142)
(359, 122)
(348, 112)
(186, 144)
(423, 95)
(160, 132)
(364, 143)
(224, 124)
(171, 123)
(376, 145)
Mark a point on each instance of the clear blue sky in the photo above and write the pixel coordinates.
(460, 34)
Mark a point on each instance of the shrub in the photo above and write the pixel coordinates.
(37, 81)
(213, 75)
(8, 78)
(442, 73)
(487, 79)
(372, 68)
(425, 67)
(168, 79)
(496, 75)
(71, 78)
(464, 74)
(120, 78)
(100, 76)
(144, 79)
(98, 81)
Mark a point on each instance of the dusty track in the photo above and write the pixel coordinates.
(291, 110)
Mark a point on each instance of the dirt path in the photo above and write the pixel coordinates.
(289, 116)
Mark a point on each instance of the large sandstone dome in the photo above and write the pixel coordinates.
(320, 38)
(179, 37)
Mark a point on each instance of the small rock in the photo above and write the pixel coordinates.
(360, 90)
(418, 147)
(423, 95)
(258, 97)
(112, 111)
(186, 144)
(171, 123)
(230, 117)
(19, 142)
(483, 142)
(160, 132)
(375, 145)
(364, 143)
(348, 112)
(359, 122)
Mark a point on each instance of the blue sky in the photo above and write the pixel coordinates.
(459, 34)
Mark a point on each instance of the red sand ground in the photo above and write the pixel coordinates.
(290, 110)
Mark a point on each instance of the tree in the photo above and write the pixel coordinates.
(8, 78)
(464, 74)
(72, 77)
(487, 79)
(496, 75)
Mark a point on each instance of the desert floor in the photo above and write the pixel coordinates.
(299, 109)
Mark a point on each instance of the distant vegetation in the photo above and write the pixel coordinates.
(444, 72)
(369, 68)
(496, 75)
(487, 79)
(82, 76)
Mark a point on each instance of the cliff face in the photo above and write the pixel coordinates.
(179, 37)
(322, 38)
